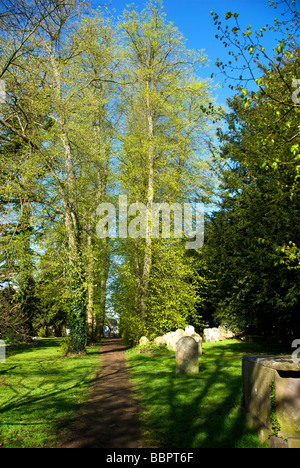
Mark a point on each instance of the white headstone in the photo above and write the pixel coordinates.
(189, 330)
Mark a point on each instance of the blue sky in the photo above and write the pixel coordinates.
(193, 19)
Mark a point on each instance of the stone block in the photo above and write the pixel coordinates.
(259, 375)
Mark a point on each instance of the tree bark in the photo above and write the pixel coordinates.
(150, 193)
(77, 315)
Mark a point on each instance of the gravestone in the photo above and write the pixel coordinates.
(159, 341)
(211, 335)
(143, 341)
(198, 339)
(189, 330)
(171, 338)
(187, 356)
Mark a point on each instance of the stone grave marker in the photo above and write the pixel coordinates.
(187, 356)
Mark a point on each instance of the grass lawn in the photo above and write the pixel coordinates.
(202, 410)
(40, 390)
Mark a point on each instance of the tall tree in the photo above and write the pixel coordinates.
(164, 132)
(55, 95)
(19, 20)
(253, 241)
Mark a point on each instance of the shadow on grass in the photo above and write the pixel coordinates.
(33, 346)
(42, 390)
(190, 411)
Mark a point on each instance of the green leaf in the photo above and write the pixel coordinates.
(279, 48)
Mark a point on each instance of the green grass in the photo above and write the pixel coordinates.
(201, 410)
(40, 390)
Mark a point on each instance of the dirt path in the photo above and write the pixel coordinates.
(110, 418)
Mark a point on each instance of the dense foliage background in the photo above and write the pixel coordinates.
(95, 109)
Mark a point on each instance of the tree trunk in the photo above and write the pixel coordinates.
(25, 276)
(150, 192)
(90, 288)
(77, 314)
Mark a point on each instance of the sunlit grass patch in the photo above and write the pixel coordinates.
(190, 411)
(40, 390)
